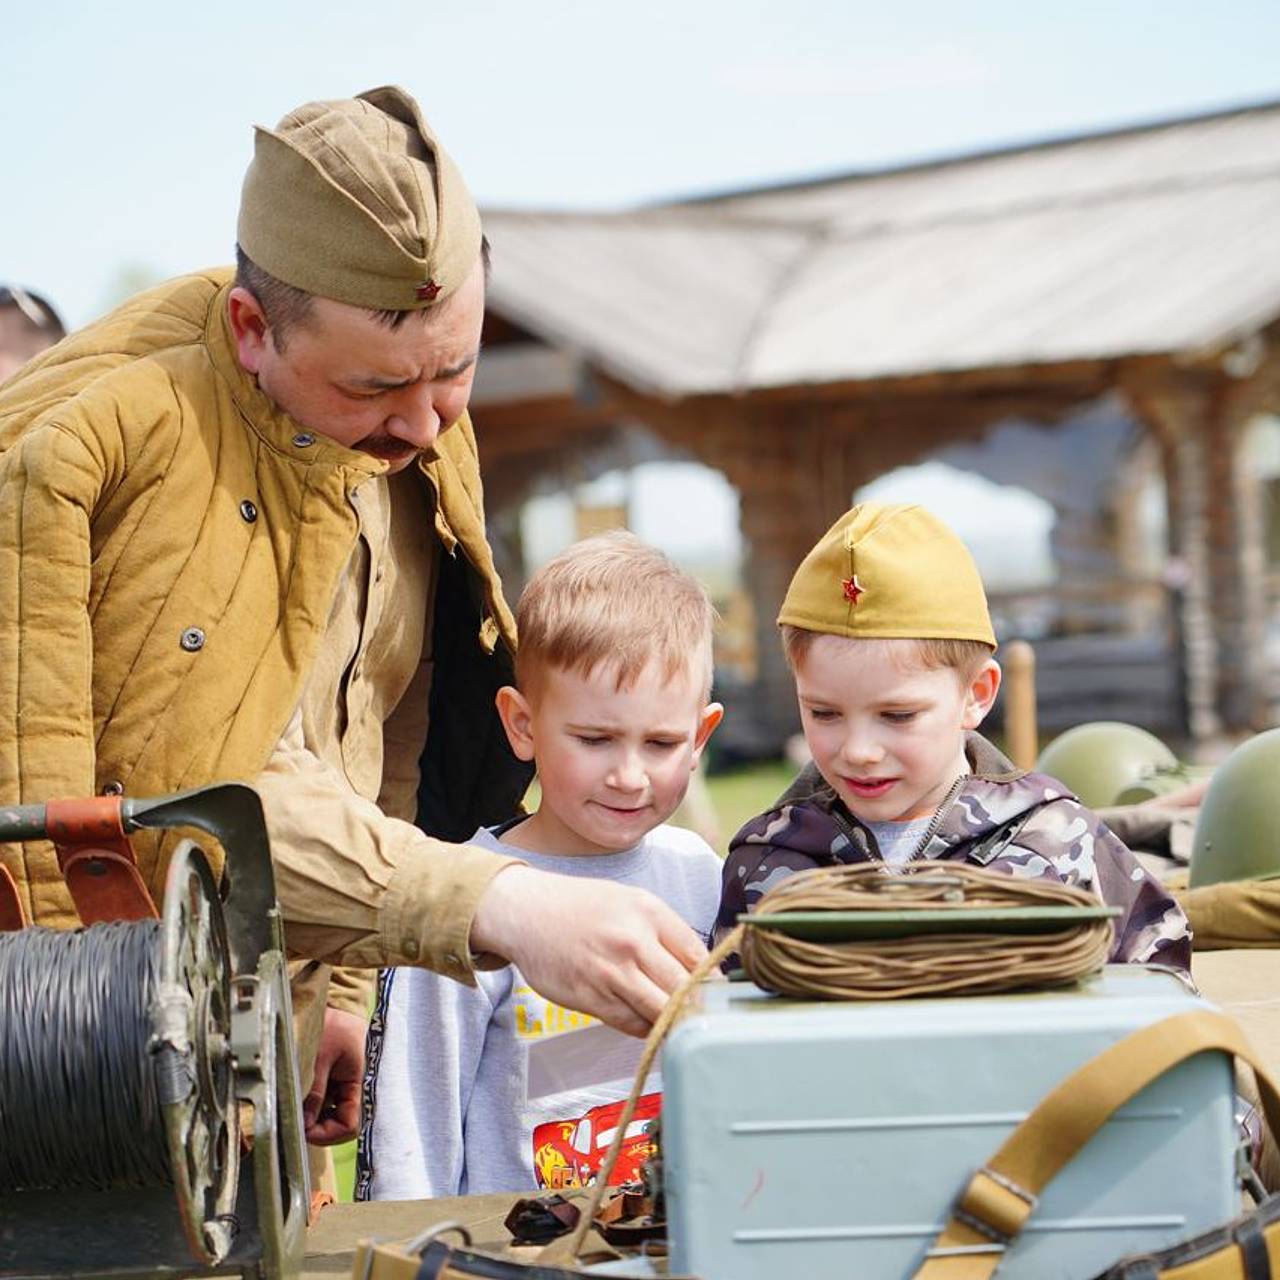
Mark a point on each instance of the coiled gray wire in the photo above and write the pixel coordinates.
(78, 1104)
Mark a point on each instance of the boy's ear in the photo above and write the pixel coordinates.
(711, 716)
(980, 694)
(517, 720)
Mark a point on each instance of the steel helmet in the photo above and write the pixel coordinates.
(1099, 761)
(1238, 830)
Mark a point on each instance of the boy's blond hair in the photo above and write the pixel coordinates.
(613, 599)
(964, 657)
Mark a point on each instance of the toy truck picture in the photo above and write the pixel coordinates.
(569, 1153)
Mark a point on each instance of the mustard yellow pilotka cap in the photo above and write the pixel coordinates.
(356, 200)
(892, 572)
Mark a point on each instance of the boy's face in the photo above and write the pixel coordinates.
(612, 763)
(886, 734)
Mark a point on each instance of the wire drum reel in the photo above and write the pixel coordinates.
(150, 1118)
(194, 1072)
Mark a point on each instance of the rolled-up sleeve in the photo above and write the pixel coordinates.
(351, 990)
(359, 888)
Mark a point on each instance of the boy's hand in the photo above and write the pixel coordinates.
(601, 948)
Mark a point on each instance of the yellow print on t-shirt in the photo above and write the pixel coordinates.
(536, 1016)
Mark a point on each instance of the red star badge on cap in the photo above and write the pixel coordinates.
(852, 589)
(426, 292)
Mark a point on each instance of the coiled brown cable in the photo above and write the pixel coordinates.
(938, 962)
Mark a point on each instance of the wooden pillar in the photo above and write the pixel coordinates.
(1021, 737)
(1215, 544)
(790, 490)
(1236, 564)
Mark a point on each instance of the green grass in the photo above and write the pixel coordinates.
(746, 792)
(344, 1168)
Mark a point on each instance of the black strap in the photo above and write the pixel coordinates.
(1247, 1233)
(1253, 1249)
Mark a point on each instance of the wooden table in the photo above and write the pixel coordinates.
(331, 1242)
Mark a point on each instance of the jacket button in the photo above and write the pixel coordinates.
(113, 788)
(192, 639)
(248, 511)
(410, 947)
(304, 439)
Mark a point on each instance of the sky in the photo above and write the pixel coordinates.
(127, 127)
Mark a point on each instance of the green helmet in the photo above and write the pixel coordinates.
(1238, 830)
(1100, 761)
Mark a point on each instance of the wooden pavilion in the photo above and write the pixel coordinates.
(805, 339)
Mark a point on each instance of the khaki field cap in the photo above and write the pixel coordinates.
(893, 572)
(356, 200)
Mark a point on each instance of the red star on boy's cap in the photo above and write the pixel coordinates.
(426, 292)
(852, 589)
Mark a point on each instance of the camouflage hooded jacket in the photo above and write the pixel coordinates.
(999, 817)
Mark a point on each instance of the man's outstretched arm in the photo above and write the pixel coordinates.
(606, 949)
(360, 888)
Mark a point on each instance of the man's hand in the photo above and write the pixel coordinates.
(602, 948)
(331, 1109)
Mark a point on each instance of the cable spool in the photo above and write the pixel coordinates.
(116, 1069)
(939, 928)
(80, 1105)
(148, 1066)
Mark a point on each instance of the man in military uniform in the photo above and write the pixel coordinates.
(242, 537)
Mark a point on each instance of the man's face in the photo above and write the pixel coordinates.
(345, 375)
(887, 735)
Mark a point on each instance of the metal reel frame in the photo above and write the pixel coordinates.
(262, 1048)
(222, 1044)
(191, 1044)
(267, 1079)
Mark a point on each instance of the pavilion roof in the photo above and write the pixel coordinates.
(1159, 240)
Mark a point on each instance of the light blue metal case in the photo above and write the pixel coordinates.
(829, 1139)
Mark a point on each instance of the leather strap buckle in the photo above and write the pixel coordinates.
(96, 860)
(12, 915)
(995, 1206)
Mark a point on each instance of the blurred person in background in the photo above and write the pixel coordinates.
(28, 326)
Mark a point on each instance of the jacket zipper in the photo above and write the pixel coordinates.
(938, 815)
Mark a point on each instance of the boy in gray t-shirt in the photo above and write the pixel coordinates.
(613, 675)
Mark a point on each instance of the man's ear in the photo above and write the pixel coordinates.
(980, 694)
(711, 716)
(517, 720)
(249, 327)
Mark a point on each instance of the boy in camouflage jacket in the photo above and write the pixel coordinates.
(886, 630)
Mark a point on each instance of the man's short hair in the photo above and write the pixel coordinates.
(287, 308)
(964, 657)
(613, 600)
(31, 314)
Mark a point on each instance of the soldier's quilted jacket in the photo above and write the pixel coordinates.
(998, 816)
(170, 544)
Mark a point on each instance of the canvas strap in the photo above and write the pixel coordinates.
(995, 1205)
